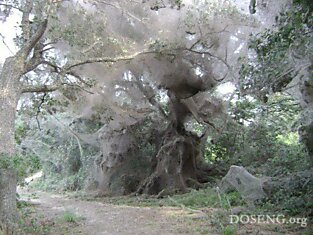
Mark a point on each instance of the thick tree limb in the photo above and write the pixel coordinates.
(32, 64)
(25, 24)
(50, 88)
(106, 60)
(30, 44)
(40, 88)
(150, 98)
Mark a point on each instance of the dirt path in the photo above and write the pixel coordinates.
(101, 218)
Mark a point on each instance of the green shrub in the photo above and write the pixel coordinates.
(70, 217)
(229, 230)
(24, 165)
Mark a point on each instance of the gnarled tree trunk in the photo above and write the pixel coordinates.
(9, 96)
(176, 162)
(176, 168)
(178, 158)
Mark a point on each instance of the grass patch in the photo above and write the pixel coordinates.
(196, 199)
(70, 217)
(22, 204)
(31, 223)
(229, 230)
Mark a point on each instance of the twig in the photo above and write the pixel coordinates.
(11, 6)
(72, 132)
(38, 109)
(6, 45)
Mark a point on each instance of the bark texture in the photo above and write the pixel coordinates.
(9, 96)
(10, 92)
(306, 129)
(176, 168)
(178, 164)
(8, 211)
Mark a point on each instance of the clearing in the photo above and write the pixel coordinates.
(59, 214)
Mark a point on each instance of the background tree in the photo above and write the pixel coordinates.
(178, 65)
(288, 45)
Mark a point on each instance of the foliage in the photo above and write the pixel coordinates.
(20, 131)
(64, 159)
(29, 224)
(294, 198)
(34, 222)
(288, 45)
(195, 199)
(24, 165)
(6, 162)
(229, 230)
(260, 136)
(280, 60)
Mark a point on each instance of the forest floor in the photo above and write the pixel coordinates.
(46, 213)
(57, 214)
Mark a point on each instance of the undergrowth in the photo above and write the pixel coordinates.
(195, 199)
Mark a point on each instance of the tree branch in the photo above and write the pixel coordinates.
(37, 57)
(106, 60)
(11, 6)
(121, 9)
(150, 97)
(210, 54)
(78, 86)
(3, 41)
(72, 73)
(30, 44)
(25, 24)
(42, 100)
(40, 88)
(56, 68)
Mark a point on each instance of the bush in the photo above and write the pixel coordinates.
(24, 165)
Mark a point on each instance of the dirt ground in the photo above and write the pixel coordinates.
(97, 218)
(60, 214)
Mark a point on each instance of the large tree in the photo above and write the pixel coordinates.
(183, 67)
(33, 68)
(26, 59)
(59, 45)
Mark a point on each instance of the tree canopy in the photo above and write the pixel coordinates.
(121, 97)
